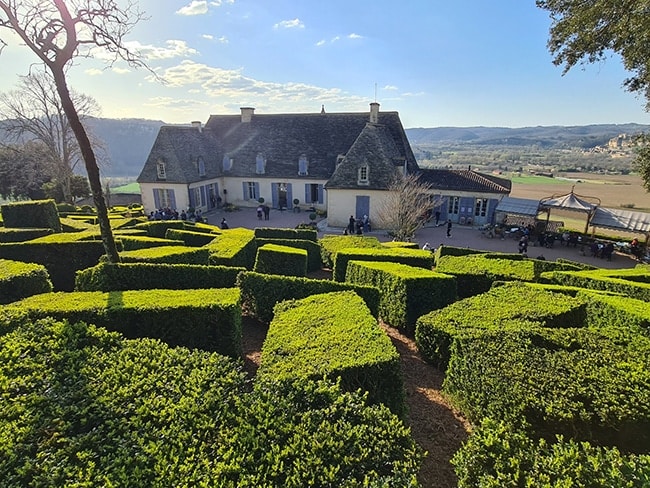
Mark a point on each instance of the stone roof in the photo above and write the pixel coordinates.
(464, 180)
(281, 139)
(180, 147)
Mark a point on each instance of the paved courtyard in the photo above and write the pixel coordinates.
(462, 236)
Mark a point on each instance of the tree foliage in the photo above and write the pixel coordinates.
(23, 171)
(59, 31)
(590, 32)
(34, 112)
(407, 206)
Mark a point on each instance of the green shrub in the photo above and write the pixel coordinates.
(167, 254)
(312, 248)
(412, 257)
(312, 338)
(261, 292)
(62, 259)
(330, 245)
(190, 238)
(135, 242)
(406, 245)
(616, 311)
(497, 454)
(276, 233)
(158, 228)
(282, 260)
(406, 292)
(74, 225)
(31, 214)
(634, 282)
(139, 413)
(208, 319)
(513, 306)
(584, 384)
(65, 208)
(22, 235)
(19, 280)
(146, 276)
(234, 247)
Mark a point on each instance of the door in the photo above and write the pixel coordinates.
(362, 206)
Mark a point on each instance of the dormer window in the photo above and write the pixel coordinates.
(260, 164)
(303, 166)
(363, 175)
(227, 163)
(162, 171)
(201, 166)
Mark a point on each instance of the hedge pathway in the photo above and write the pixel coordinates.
(435, 426)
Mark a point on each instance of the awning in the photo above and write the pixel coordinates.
(571, 201)
(518, 206)
(621, 219)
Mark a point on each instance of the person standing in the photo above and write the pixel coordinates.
(448, 227)
(267, 211)
(351, 223)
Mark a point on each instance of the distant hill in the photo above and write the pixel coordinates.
(128, 141)
(549, 137)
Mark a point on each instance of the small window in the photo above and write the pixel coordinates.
(227, 163)
(363, 174)
(454, 204)
(303, 166)
(162, 172)
(201, 166)
(480, 209)
(251, 190)
(260, 164)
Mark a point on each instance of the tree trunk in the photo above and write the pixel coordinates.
(91, 164)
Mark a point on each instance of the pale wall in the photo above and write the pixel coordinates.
(235, 194)
(180, 194)
(342, 203)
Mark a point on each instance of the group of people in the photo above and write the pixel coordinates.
(263, 211)
(172, 214)
(358, 226)
(602, 250)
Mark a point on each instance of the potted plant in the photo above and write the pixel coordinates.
(296, 202)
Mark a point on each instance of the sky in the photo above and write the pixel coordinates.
(438, 63)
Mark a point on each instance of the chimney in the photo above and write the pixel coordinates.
(374, 113)
(247, 114)
(197, 124)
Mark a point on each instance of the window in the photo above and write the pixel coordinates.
(227, 163)
(260, 164)
(162, 173)
(250, 190)
(454, 204)
(201, 166)
(164, 198)
(363, 175)
(480, 207)
(303, 166)
(198, 197)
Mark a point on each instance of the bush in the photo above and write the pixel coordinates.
(19, 280)
(406, 292)
(234, 247)
(158, 228)
(147, 276)
(260, 292)
(190, 238)
(282, 260)
(278, 233)
(330, 245)
(62, 259)
(411, 257)
(497, 454)
(208, 319)
(135, 242)
(31, 214)
(22, 235)
(167, 254)
(312, 248)
(311, 338)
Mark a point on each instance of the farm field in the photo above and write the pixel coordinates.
(614, 191)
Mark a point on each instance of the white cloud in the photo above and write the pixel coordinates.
(232, 86)
(172, 103)
(354, 36)
(390, 88)
(413, 94)
(196, 7)
(321, 42)
(207, 36)
(220, 40)
(219, 3)
(175, 49)
(223, 40)
(336, 38)
(93, 72)
(120, 71)
(290, 24)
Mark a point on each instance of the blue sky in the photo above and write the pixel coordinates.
(438, 63)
